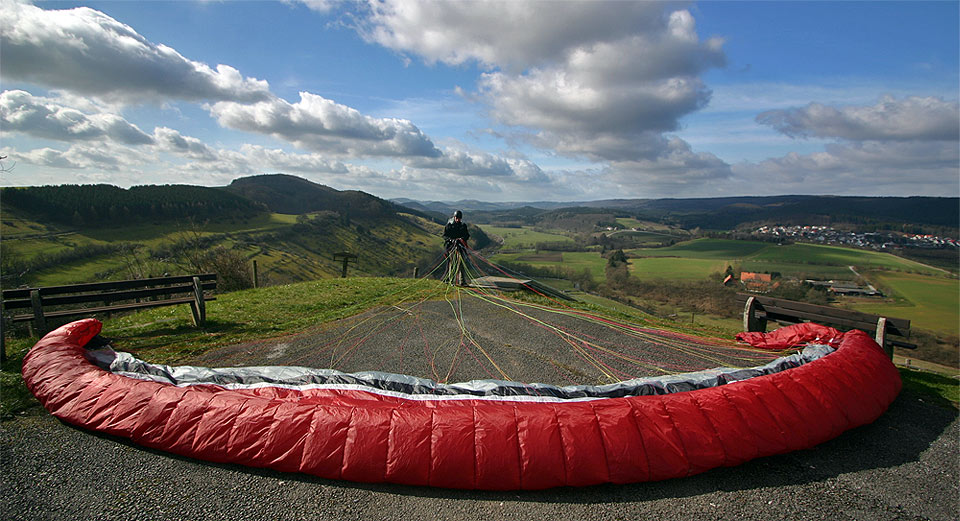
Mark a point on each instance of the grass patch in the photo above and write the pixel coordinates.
(630, 222)
(524, 237)
(937, 388)
(166, 335)
(720, 249)
(839, 256)
(799, 269)
(648, 268)
(544, 256)
(930, 303)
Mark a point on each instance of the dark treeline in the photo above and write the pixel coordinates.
(103, 204)
(293, 195)
(938, 215)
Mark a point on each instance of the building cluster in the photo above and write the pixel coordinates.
(874, 240)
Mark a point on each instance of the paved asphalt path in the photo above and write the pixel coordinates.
(470, 338)
(903, 466)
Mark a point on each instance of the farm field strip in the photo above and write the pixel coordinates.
(674, 268)
(522, 237)
(839, 256)
(705, 249)
(931, 302)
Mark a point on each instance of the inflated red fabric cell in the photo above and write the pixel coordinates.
(621, 437)
(365, 448)
(541, 449)
(469, 443)
(408, 457)
(790, 336)
(453, 448)
(498, 448)
(666, 455)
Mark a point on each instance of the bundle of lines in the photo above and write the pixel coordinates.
(461, 332)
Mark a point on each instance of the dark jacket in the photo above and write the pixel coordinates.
(455, 230)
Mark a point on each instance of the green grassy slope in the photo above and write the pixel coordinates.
(166, 335)
(285, 250)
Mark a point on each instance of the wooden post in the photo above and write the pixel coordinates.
(256, 282)
(751, 322)
(416, 272)
(881, 336)
(347, 258)
(39, 321)
(199, 306)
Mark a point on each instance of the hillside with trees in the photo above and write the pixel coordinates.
(936, 215)
(290, 226)
(97, 205)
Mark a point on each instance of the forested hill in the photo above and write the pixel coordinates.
(726, 213)
(92, 205)
(867, 212)
(293, 195)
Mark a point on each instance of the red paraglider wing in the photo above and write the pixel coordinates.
(359, 433)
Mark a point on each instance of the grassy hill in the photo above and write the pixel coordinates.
(290, 226)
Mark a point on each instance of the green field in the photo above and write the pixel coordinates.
(575, 261)
(799, 270)
(674, 268)
(522, 237)
(706, 249)
(838, 256)
(929, 302)
(652, 238)
(283, 253)
(916, 292)
(629, 222)
(793, 260)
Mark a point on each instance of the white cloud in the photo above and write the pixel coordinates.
(864, 168)
(595, 80)
(510, 34)
(895, 147)
(320, 124)
(891, 119)
(88, 52)
(82, 157)
(320, 6)
(42, 117)
(482, 165)
(169, 140)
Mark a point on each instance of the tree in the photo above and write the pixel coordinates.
(616, 258)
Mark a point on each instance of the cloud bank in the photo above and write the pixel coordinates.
(320, 124)
(43, 117)
(601, 81)
(88, 52)
(894, 147)
(912, 118)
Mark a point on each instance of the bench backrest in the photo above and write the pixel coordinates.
(107, 291)
(793, 311)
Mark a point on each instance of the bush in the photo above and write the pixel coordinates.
(232, 269)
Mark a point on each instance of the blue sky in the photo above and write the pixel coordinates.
(497, 101)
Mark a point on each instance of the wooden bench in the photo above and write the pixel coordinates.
(759, 309)
(61, 301)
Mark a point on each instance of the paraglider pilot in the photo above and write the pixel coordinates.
(455, 237)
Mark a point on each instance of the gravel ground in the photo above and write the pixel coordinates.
(903, 466)
(427, 340)
(906, 465)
